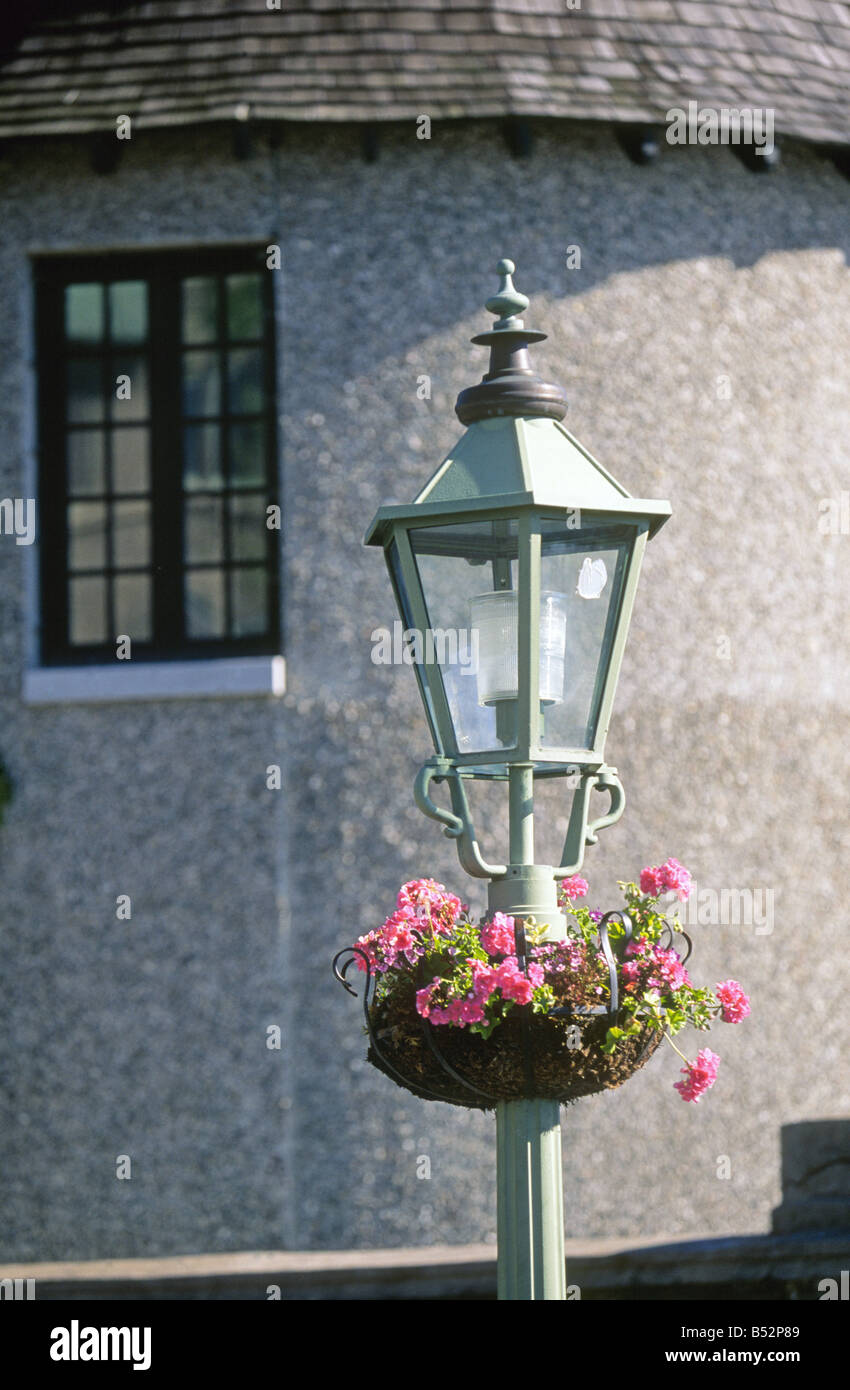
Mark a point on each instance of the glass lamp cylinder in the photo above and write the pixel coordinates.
(494, 617)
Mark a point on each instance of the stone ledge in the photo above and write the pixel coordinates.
(154, 680)
(726, 1267)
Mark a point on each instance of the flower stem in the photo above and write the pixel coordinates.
(675, 1048)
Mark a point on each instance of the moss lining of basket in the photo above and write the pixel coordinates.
(527, 1054)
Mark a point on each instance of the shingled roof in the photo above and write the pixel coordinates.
(75, 68)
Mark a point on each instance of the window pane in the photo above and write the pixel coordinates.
(84, 313)
(85, 389)
(200, 310)
(204, 536)
(130, 461)
(87, 610)
(86, 472)
(129, 525)
(244, 306)
(205, 603)
(87, 535)
(247, 454)
(202, 457)
(249, 602)
(128, 311)
(133, 608)
(130, 394)
(244, 381)
(201, 383)
(248, 533)
(130, 534)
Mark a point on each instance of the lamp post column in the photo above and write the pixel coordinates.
(514, 534)
(530, 1202)
(528, 1132)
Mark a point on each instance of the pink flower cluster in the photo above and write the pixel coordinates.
(670, 877)
(734, 1002)
(559, 957)
(574, 887)
(431, 925)
(506, 978)
(426, 898)
(575, 969)
(423, 909)
(699, 1076)
(652, 967)
(497, 936)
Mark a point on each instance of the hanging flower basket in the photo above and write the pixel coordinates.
(544, 1056)
(474, 1015)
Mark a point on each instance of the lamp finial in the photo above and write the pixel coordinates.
(511, 386)
(508, 302)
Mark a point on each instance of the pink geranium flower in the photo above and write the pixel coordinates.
(699, 1076)
(424, 898)
(423, 999)
(671, 877)
(497, 936)
(450, 1014)
(517, 987)
(471, 1011)
(420, 892)
(574, 887)
(735, 1003)
(366, 944)
(651, 883)
(671, 973)
(677, 879)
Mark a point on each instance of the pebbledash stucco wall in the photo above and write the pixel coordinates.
(703, 344)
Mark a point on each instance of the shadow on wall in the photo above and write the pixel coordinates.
(691, 203)
(6, 790)
(815, 1177)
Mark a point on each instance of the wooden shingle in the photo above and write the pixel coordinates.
(75, 68)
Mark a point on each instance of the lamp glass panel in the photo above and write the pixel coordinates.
(407, 625)
(468, 572)
(587, 567)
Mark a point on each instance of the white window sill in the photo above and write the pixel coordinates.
(155, 680)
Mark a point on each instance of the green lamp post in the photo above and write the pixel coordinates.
(517, 566)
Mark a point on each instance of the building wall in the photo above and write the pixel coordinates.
(703, 347)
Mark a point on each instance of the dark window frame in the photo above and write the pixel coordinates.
(163, 271)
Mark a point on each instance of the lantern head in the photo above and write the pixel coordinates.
(515, 572)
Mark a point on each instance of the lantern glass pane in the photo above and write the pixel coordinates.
(468, 573)
(588, 568)
(396, 649)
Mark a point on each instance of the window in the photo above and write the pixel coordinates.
(157, 459)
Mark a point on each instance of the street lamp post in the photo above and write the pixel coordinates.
(515, 570)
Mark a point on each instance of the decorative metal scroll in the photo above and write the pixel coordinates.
(457, 823)
(677, 931)
(612, 1008)
(581, 830)
(353, 952)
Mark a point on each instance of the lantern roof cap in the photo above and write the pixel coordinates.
(516, 453)
(511, 386)
(510, 462)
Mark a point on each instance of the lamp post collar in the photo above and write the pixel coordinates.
(511, 386)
